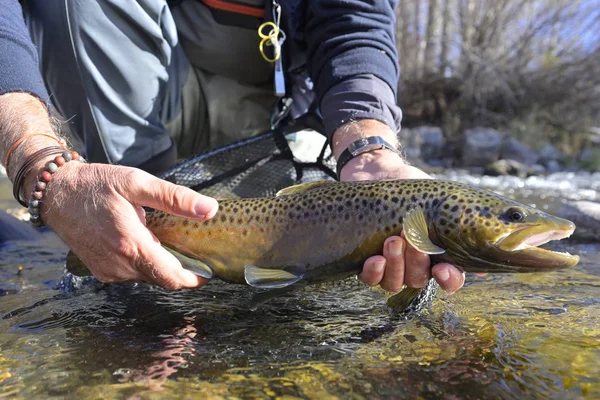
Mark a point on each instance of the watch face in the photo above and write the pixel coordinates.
(365, 144)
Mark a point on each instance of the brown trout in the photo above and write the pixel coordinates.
(325, 230)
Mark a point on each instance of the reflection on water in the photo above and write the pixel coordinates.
(502, 336)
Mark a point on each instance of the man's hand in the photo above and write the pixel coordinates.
(400, 264)
(97, 210)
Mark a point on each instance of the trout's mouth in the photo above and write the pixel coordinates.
(521, 246)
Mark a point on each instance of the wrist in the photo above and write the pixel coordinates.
(49, 183)
(355, 130)
(371, 164)
(26, 148)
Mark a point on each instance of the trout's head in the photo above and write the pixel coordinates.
(485, 232)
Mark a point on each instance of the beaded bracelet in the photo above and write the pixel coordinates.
(43, 179)
(24, 170)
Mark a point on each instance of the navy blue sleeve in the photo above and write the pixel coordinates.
(360, 97)
(19, 70)
(346, 39)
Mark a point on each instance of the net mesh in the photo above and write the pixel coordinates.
(261, 166)
(253, 167)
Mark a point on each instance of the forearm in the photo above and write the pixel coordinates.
(347, 38)
(22, 114)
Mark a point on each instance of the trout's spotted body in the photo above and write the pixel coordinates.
(340, 224)
(326, 230)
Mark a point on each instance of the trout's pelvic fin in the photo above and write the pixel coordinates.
(266, 278)
(302, 187)
(401, 301)
(417, 233)
(191, 264)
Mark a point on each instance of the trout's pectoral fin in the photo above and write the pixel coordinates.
(417, 233)
(266, 278)
(196, 266)
(302, 187)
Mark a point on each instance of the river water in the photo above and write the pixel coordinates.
(502, 336)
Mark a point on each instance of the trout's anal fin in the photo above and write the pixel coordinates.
(266, 278)
(417, 233)
(196, 266)
(302, 187)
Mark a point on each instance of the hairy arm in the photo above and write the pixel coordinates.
(96, 208)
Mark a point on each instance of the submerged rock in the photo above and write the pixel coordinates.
(586, 215)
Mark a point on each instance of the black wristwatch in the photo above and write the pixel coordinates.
(362, 146)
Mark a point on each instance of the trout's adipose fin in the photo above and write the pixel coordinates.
(266, 278)
(417, 233)
(302, 187)
(196, 266)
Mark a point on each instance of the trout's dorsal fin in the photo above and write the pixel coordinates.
(196, 266)
(417, 233)
(267, 278)
(302, 187)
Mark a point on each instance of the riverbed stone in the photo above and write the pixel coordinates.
(551, 153)
(586, 216)
(512, 149)
(482, 147)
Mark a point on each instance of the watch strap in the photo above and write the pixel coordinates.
(361, 146)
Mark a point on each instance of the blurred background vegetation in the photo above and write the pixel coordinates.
(530, 68)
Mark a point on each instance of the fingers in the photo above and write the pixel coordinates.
(448, 277)
(402, 264)
(373, 270)
(395, 272)
(418, 267)
(143, 189)
(163, 269)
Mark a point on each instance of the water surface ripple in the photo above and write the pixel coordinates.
(500, 337)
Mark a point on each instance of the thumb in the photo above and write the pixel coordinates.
(168, 271)
(144, 189)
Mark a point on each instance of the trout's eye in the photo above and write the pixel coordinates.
(515, 215)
